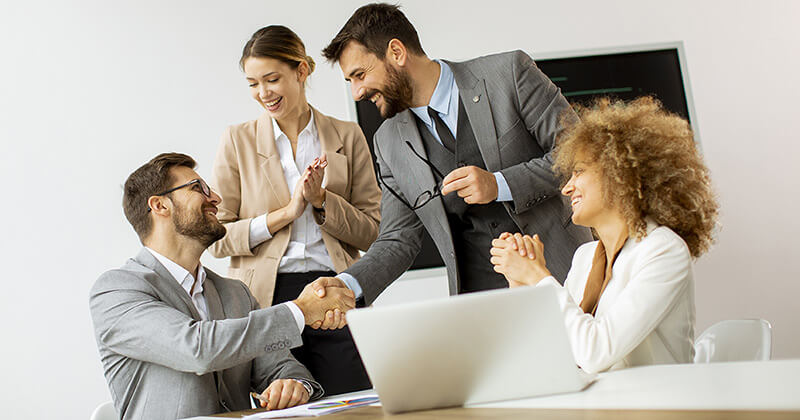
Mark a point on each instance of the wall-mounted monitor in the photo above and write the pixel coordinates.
(625, 73)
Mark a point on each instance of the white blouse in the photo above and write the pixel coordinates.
(645, 315)
(306, 250)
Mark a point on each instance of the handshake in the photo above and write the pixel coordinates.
(324, 302)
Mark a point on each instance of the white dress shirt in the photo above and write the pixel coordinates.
(186, 280)
(646, 314)
(306, 250)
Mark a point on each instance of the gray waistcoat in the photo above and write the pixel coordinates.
(473, 225)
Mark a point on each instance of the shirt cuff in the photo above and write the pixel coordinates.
(351, 283)
(503, 192)
(259, 231)
(299, 318)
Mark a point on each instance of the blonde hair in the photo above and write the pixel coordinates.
(649, 164)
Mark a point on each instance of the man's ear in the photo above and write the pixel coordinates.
(396, 52)
(160, 205)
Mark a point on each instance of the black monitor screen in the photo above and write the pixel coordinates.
(620, 75)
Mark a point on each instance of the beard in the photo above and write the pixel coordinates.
(397, 93)
(197, 226)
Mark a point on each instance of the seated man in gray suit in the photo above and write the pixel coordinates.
(177, 340)
(465, 153)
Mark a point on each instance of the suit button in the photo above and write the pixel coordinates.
(493, 225)
(461, 164)
(476, 98)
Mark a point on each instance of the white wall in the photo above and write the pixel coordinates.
(89, 90)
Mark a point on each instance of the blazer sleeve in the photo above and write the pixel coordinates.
(278, 365)
(398, 243)
(228, 184)
(132, 320)
(542, 108)
(660, 278)
(356, 222)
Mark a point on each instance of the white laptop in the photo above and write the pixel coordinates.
(474, 348)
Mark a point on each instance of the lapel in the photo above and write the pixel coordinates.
(213, 300)
(420, 171)
(270, 160)
(479, 113)
(331, 144)
(166, 283)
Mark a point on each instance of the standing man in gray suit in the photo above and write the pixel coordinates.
(177, 340)
(464, 154)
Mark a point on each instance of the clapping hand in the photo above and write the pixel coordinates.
(312, 181)
(520, 258)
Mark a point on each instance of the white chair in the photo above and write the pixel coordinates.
(734, 340)
(105, 411)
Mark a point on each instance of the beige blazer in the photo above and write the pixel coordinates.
(247, 174)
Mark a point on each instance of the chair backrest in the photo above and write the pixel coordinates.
(105, 411)
(734, 340)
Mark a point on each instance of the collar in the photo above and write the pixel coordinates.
(310, 127)
(181, 275)
(442, 94)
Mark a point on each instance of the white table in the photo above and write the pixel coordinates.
(740, 391)
(770, 385)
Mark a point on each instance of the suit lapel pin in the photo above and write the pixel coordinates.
(476, 98)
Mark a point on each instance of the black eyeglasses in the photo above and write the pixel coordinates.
(427, 195)
(204, 188)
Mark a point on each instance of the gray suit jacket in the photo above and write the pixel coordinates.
(162, 361)
(515, 112)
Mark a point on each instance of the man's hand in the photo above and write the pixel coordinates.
(284, 393)
(473, 184)
(519, 258)
(325, 294)
(312, 183)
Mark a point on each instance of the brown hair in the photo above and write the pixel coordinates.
(280, 43)
(373, 26)
(150, 179)
(650, 167)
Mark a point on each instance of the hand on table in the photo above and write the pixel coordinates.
(284, 393)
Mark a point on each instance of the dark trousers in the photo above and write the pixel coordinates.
(330, 355)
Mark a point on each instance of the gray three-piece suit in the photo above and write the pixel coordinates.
(514, 113)
(162, 361)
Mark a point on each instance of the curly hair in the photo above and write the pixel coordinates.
(649, 166)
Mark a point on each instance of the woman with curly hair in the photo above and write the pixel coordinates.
(636, 178)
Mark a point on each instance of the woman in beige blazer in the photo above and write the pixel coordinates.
(299, 197)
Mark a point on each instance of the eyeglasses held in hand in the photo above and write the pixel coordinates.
(427, 195)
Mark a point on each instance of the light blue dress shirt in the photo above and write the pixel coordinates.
(445, 102)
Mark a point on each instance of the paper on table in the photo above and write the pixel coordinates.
(317, 408)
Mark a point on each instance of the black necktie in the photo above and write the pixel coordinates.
(445, 135)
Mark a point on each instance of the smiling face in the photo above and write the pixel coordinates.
(194, 214)
(585, 191)
(276, 86)
(375, 80)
